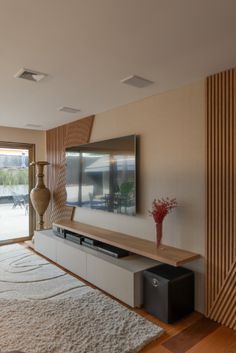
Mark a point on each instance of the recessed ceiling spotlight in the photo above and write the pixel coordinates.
(69, 110)
(137, 81)
(30, 75)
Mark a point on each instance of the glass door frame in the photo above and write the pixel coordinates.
(32, 218)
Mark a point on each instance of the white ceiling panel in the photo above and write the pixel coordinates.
(86, 47)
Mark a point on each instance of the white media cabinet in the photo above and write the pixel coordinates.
(120, 277)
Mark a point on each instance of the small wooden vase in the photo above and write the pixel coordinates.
(158, 233)
(40, 194)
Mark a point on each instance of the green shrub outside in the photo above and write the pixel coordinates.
(14, 176)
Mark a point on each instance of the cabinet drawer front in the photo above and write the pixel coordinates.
(45, 245)
(112, 279)
(71, 258)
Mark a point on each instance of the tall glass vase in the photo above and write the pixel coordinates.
(40, 194)
(158, 233)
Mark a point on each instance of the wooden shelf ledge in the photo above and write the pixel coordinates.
(166, 254)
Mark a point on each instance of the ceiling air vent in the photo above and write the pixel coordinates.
(30, 75)
(69, 110)
(33, 126)
(137, 81)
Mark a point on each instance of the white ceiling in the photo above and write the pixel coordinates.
(87, 46)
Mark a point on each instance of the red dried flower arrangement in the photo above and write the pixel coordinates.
(161, 207)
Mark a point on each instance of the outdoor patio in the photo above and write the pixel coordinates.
(14, 222)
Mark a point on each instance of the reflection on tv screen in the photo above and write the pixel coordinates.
(102, 175)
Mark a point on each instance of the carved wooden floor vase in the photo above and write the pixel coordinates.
(40, 194)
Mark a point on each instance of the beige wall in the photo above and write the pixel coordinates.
(26, 136)
(171, 163)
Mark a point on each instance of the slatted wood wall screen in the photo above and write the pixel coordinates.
(57, 139)
(221, 198)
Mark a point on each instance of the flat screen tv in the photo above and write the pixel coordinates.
(102, 175)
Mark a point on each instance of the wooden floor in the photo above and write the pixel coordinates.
(193, 334)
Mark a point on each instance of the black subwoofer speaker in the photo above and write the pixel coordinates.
(168, 292)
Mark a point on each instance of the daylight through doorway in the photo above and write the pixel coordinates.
(14, 194)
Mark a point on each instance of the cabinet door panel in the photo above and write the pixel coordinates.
(71, 257)
(46, 245)
(112, 279)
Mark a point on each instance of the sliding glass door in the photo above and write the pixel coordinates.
(16, 180)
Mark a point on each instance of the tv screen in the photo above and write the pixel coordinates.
(102, 175)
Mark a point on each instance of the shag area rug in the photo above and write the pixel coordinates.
(25, 275)
(45, 310)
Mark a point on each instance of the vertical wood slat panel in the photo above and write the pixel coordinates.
(216, 237)
(226, 171)
(232, 165)
(220, 184)
(234, 109)
(212, 188)
(220, 244)
(208, 215)
(224, 168)
(57, 140)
